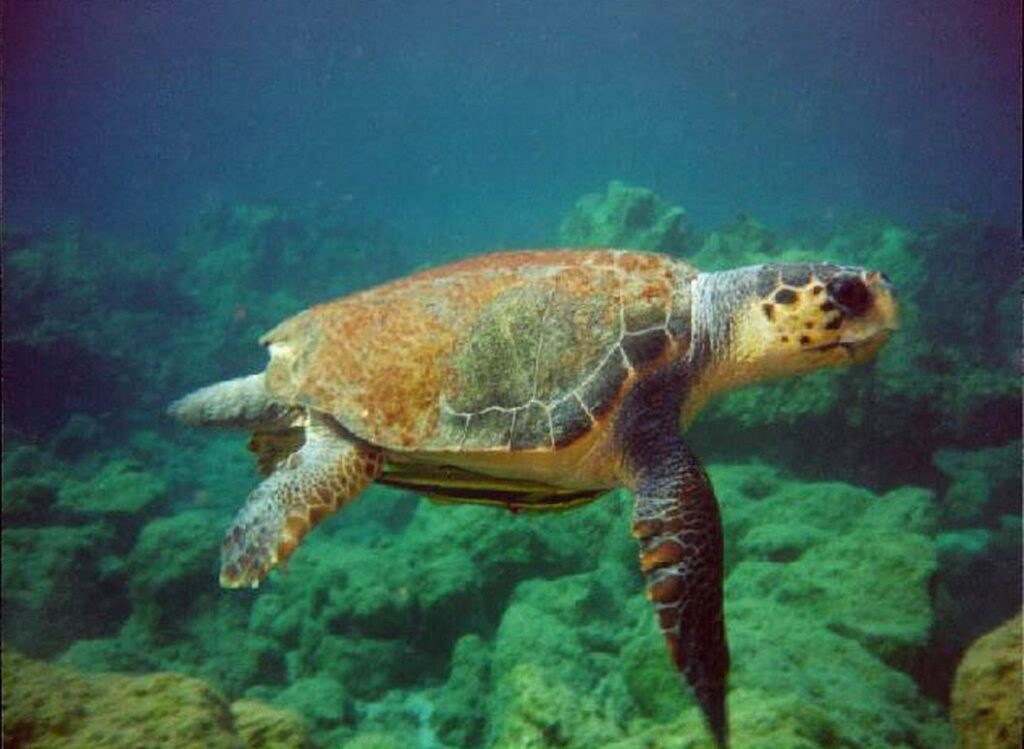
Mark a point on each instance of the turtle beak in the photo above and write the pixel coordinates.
(886, 310)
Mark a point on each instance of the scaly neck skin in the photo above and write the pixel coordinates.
(725, 353)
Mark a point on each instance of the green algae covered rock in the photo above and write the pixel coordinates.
(983, 482)
(826, 594)
(320, 699)
(32, 479)
(261, 726)
(340, 611)
(626, 217)
(745, 242)
(376, 740)
(122, 487)
(987, 706)
(820, 621)
(50, 706)
(29, 500)
(653, 684)
(782, 650)
(554, 671)
(972, 260)
(773, 719)
(58, 586)
(857, 563)
(82, 327)
(460, 712)
(539, 709)
(179, 618)
(875, 593)
(174, 558)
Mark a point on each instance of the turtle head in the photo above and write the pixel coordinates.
(776, 320)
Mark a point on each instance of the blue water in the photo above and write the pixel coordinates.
(469, 125)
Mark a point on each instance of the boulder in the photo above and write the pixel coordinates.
(987, 705)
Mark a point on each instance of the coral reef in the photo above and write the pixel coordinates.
(983, 483)
(261, 726)
(626, 217)
(814, 644)
(49, 706)
(988, 708)
(57, 586)
(443, 640)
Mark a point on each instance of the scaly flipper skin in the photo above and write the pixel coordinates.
(326, 473)
(677, 523)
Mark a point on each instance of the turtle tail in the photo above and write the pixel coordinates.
(242, 403)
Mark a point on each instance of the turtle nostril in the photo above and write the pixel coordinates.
(850, 293)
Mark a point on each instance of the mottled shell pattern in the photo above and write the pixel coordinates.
(518, 350)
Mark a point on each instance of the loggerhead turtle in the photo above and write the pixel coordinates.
(537, 380)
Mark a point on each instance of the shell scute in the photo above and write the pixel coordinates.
(524, 350)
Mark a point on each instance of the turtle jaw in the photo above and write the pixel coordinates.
(856, 351)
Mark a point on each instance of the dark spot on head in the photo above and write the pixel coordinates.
(834, 323)
(769, 311)
(808, 325)
(817, 289)
(804, 340)
(786, 296)
(827, 307)
(785, 339)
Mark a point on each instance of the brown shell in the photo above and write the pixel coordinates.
(517, 350)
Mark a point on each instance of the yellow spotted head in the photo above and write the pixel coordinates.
(775, 320)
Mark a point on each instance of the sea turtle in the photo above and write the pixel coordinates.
(537, 380)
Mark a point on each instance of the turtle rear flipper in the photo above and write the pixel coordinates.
(319, 478)
(241, 403)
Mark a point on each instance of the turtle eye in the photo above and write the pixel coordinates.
(850, 293)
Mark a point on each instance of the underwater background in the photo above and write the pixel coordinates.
(179, 176)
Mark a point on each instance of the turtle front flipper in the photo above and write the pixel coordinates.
(316, 480)
(677, 523)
